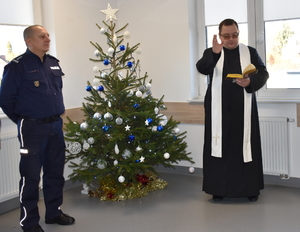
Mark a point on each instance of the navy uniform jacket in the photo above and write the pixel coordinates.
(31, 88)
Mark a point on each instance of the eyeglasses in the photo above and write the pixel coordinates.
(227, 36)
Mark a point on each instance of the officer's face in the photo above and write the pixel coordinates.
(39, 42)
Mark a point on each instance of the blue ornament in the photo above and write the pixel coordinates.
(105, 128)
(100, 88)
(88, 88)
(106, 62)
(160, 128)
(129, 64)
(137, 161)
(136, 106)
(122, 48)
(175, 137)
(131, 138)
(150, 120)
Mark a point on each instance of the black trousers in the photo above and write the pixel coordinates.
(42, 146)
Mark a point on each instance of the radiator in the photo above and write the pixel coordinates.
(275, 154)
(275, 149)
(9, 167)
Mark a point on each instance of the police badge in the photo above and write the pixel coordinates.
(36, 83)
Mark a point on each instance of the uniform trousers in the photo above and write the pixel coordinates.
(42, 148)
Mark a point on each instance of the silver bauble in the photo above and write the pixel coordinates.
(84, 126)
(108, 116)
(119, 121)
(97, 115)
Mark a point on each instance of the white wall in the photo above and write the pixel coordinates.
(162, 28)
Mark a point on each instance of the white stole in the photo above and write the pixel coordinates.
(216, 108)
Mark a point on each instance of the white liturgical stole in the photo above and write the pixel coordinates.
(216, 108)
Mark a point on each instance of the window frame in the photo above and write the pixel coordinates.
(256, 39)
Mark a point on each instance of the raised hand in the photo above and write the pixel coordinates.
(217, 47)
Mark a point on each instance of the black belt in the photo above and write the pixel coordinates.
(43, 120)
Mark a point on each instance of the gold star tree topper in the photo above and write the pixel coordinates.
(110, 13)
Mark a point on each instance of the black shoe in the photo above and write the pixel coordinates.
(36, 228)
(217, 198)
(62, 219)
(253, 198)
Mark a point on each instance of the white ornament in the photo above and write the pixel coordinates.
(96, 69)
(86, 146)
(166, 155)
(97, 53)
(138, 51)
(75, 148)
(110, 51)
(116, 162)
(97, 115)
(117, 149)
(148, 85)
(126, 34)
(121, 179)
(138, 93)
(104, 74)
(127, 128)
(154, 128)
(96, 81)
(163, 119)
(101, 164)
(102, 30)
(156, 110)
(83, 126)
(91, 140)
(110, 13)
(108, 116)
(176, 130)
(138, 148)
(119, 121)
(115, 38)
(191, 169)
(142, 159)
(126, 154)
(85, 189)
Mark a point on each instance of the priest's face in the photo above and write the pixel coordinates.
(229, 35)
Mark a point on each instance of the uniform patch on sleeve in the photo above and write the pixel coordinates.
(55, 67)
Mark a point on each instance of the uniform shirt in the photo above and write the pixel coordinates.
(32, 88)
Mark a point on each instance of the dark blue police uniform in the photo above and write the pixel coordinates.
(31, 96)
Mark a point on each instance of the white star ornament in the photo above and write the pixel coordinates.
(110, 13)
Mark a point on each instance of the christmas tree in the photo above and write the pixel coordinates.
(124, 135)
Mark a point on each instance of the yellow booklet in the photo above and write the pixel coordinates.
(250, 70)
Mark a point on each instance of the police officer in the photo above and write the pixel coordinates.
(31, 96)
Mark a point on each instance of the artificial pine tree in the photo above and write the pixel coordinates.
(124, 135)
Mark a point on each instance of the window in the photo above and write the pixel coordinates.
(11, 43)
(274, 32)
(15, 16)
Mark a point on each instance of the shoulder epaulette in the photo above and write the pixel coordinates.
(17, 59)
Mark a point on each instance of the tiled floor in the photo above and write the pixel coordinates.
(181, 207)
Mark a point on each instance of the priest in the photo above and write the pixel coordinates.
(232, 157)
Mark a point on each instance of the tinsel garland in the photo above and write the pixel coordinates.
(111, 190)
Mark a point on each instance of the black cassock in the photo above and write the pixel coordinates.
(229, 175)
